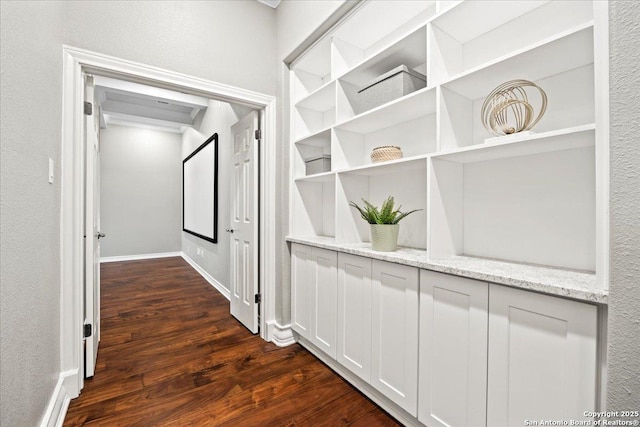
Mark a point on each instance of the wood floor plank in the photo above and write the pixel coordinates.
(172, 355)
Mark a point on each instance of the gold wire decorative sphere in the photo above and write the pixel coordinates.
(507, 110)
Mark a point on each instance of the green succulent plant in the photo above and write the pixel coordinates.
(385, 215)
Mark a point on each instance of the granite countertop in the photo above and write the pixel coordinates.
(578, 285)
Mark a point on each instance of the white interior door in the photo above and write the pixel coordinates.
(92, 233)
(244, 222)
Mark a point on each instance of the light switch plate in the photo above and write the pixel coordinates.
(51, 167)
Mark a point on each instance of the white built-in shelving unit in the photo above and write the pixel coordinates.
(536, 198)
(438, 332)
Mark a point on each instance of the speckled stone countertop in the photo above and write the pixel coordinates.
(554, 281)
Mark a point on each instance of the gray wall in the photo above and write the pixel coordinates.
(231, 42)
(140, 191)
(624, 294)
(297, 20)
(225, 41)
(31, 87)
(219, 118)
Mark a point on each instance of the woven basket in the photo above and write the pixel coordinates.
(385, 153)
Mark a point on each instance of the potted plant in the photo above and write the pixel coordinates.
(383, 223)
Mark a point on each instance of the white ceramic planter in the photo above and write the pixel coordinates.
(384, 237)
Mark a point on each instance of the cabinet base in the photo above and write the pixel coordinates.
(378, 398)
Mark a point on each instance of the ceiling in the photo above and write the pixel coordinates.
(132, 104)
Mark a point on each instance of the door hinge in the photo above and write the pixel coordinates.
(88, 108)
(258, 298)
(87, 330)
(258, 134)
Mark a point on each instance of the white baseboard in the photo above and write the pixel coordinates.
(58, 405)
(139, 257)
(71, 382)
(281, 336)
(224, 291)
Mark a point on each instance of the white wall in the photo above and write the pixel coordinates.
(231, 42)
(623, 388)
(219, 118)
(30, 132)
(140, 191)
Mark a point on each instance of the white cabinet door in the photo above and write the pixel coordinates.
(354, 314)
(453, 350)
(542, 357)
(394, 359)
(314, 294)
(323, 299)
(301, 276)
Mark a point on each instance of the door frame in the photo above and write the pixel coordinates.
(78, 61)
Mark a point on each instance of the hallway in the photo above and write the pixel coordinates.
(171, 354)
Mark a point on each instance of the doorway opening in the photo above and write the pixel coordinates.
(172, 170)
(78, 62)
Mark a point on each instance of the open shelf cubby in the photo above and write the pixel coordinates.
(312, 71)
(314, 201)
(494, 29)
(567, 79)
(375, 28)
(312, 146)
(530, 201)
(315, 112)
(405, 180)
(409, 51)
(409, 123)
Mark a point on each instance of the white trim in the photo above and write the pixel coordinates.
(71, 220)
(58, 405)
(75, 62)
(70, 382)
(326, 28)
(282, 336)
(601, 71)
(268, 243)
(271, 3)
(138, 257)
(110, 66)
(209, 278)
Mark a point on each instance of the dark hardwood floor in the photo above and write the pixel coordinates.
(172, 355)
